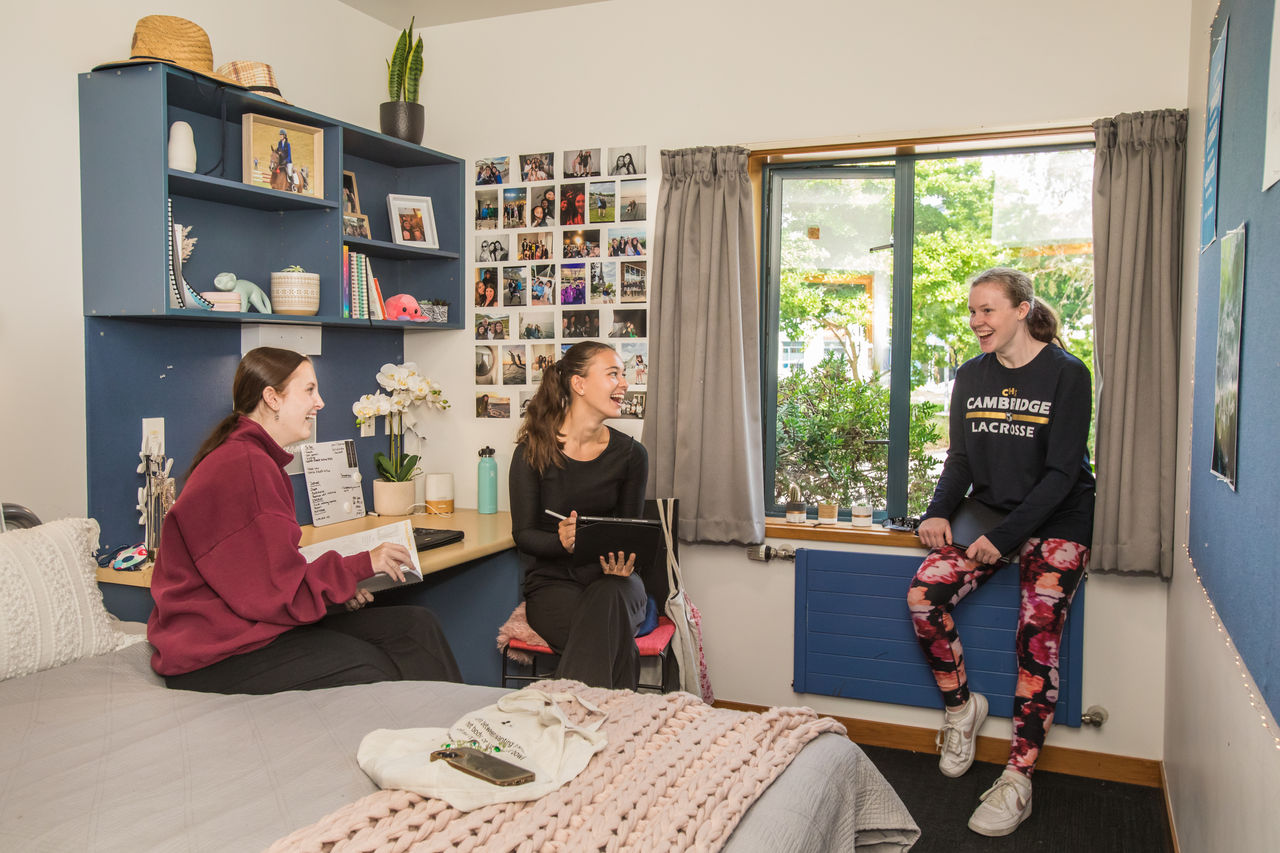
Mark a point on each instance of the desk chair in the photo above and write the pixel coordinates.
(17, 517)
(655, 644)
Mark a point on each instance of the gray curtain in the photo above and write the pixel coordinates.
(702, 413)
(1138, 188)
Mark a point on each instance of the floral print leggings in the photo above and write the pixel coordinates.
(1050, 571)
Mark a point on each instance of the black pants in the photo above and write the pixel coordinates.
(394, 643)
(592, 627)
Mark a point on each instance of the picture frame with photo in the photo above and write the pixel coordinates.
(350, 194)
(412, 220)
(282, 155)
(355, 225)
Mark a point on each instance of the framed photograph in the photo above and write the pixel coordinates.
(350, 195)
(412, 221)
(282, 155)
(355, 225)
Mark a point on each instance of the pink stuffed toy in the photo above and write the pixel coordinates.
(402, 306)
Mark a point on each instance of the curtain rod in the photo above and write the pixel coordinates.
(911, 142)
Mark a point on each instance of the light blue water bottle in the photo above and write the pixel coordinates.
(487, 492)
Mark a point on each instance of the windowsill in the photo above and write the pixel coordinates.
(842, 531)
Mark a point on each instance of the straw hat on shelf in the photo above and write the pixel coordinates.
(174, 41)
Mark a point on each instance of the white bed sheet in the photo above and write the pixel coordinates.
(99, 755)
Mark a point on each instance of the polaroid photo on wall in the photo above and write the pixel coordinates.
(536, 325)
(541, 356)
(486, 210)
(486, 287)
(582, 163)
(633, 206)
(633, 404)
(602, 199)
(542, 206)
(573, 204)
(493, 170)
(627, 242)
(492, 327)
(580, 324)
(515, 286)
(525, 397)
(412, 221)
(514, 202)
(604, 282)
(487, 365)
(573, 284)
(538, 167)
(492, 248)
(489, 405)
(635, 281)
(542, 284)
(580, 244)
(534, 245)
(628, 323)
(626, 161)
(515, 364)
(635, 361)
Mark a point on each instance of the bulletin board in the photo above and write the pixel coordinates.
(1232, 525)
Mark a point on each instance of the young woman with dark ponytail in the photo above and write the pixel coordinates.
(569, 461)
(1020, 416)
(238, 609)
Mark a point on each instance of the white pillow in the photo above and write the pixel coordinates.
(51, 610)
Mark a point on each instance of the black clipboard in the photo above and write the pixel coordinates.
(598, 536)
(972, 520)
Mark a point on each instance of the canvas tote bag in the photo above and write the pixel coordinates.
(686, 643)
(530, 729)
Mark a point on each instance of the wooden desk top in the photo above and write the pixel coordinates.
(483, 535)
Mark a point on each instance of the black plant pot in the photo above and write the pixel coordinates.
(403, 120)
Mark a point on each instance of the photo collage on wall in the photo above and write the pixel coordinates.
(561, 254)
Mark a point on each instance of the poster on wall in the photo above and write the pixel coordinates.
(558, 255)
(1212, 131)
(1226, 386)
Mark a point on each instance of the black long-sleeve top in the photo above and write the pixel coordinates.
(612, 484)
(1020, 436)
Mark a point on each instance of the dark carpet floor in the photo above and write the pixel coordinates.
(1070, 814)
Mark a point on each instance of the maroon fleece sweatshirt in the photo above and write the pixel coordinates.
(229, 578)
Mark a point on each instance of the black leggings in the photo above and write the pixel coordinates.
(394, 643)
(592, 627)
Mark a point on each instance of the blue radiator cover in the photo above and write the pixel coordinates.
(853, 635)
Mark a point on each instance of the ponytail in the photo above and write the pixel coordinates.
(260, 368)
(1042, 321)
(540, 431)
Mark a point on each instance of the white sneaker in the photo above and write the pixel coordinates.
(1004, 806)
(958, 737)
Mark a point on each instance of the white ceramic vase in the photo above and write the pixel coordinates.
(182, 147)
(295, 293)
(393, 498)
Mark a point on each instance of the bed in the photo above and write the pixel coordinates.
(97, 754)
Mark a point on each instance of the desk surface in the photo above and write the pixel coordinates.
(483, 535)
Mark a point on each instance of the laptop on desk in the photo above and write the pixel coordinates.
(426, 538)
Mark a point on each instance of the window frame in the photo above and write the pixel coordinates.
(900, 165)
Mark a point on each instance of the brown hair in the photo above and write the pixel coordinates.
(540, 431)
(260, 369)
(1042, 321)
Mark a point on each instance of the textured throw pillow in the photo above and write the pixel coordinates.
(51, 610)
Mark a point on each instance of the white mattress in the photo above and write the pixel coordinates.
(100, 755)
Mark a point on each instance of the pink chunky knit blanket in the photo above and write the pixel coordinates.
(676, 773)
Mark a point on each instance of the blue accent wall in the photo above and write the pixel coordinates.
(1230, 539)
(182, 372)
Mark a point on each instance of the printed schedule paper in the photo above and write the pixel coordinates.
(398, 532)
(333, 481)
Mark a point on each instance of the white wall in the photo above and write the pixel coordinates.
(672, 74)
(1220, 751)
(335, 67)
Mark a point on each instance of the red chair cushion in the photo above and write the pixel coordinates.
(650, 645)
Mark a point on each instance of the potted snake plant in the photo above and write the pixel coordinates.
(402, 116)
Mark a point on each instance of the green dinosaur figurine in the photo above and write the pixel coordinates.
(250, 293)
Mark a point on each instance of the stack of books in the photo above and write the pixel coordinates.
(361, 295)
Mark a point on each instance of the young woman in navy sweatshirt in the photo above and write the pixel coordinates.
(1019, 424)
(238, 609)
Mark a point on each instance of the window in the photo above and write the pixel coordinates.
(866, 265)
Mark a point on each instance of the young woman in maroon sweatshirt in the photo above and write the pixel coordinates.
(238, 609)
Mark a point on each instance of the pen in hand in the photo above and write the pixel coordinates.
(554, 514)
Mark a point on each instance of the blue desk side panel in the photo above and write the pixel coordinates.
(182, 372)
(853, 635)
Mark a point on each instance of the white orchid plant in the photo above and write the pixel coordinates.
(407, 393)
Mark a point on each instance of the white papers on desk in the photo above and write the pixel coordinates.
(398, 532)
(333, 481)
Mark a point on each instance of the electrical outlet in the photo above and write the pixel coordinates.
(153, 430)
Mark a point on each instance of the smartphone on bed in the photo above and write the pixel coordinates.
(484, 765)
